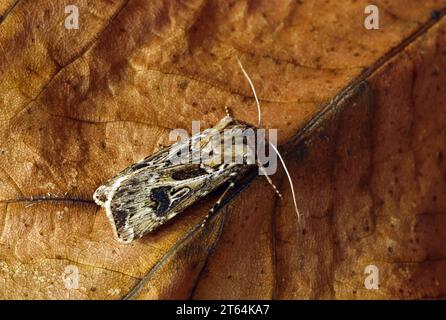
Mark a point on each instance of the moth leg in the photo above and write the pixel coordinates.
(227, 111)
(217, 204)
(261, 168)
(159, 146)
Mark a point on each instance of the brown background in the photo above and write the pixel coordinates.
(360, 115)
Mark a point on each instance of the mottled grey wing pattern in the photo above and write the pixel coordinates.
(150, 192)
(151, 162)
(147, 200)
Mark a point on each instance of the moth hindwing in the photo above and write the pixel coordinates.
(154, 190)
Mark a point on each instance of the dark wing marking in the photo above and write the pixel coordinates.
(189, 174)
(161, 198)
(145, 200)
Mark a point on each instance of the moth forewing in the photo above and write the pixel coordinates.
(154, 190)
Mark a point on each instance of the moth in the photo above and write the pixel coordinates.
(152, 191)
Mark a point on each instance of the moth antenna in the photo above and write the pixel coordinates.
(253, 90)
(289, 179)
(274, 147)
